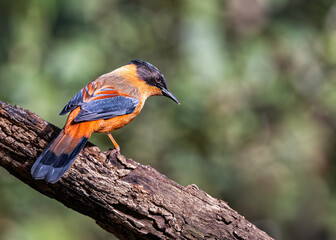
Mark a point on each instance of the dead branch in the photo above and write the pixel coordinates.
(125, 198)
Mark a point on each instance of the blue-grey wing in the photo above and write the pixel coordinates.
(106, 108)
(78, 100)
(75, 102)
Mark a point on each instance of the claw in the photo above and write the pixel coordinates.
(112, 154)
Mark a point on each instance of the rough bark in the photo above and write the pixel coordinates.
(125, 198)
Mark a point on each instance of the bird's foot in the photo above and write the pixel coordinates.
(113, 153)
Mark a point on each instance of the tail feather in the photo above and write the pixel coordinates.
(58, 157)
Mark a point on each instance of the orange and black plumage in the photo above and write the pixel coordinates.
(107, 103)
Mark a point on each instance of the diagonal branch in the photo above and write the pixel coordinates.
(125, 198)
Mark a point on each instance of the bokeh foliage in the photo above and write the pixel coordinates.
(256, 81)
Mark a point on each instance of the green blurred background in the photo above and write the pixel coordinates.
(257, 84)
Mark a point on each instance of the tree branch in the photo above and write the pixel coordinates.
(125, 198)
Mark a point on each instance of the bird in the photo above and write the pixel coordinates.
(107, 103)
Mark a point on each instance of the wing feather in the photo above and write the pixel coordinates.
(106, 108)
(103, 103)
(75, 102)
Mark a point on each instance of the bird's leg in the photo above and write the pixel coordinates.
(116, 149)
(116, 146)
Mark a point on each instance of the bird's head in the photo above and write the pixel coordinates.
(153, 77)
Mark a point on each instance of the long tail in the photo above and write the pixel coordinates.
(57, 157)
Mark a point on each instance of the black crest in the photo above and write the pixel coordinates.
(150, 74)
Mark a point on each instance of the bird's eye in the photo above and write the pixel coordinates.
(158, 79)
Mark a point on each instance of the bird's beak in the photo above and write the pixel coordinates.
(166, 93)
